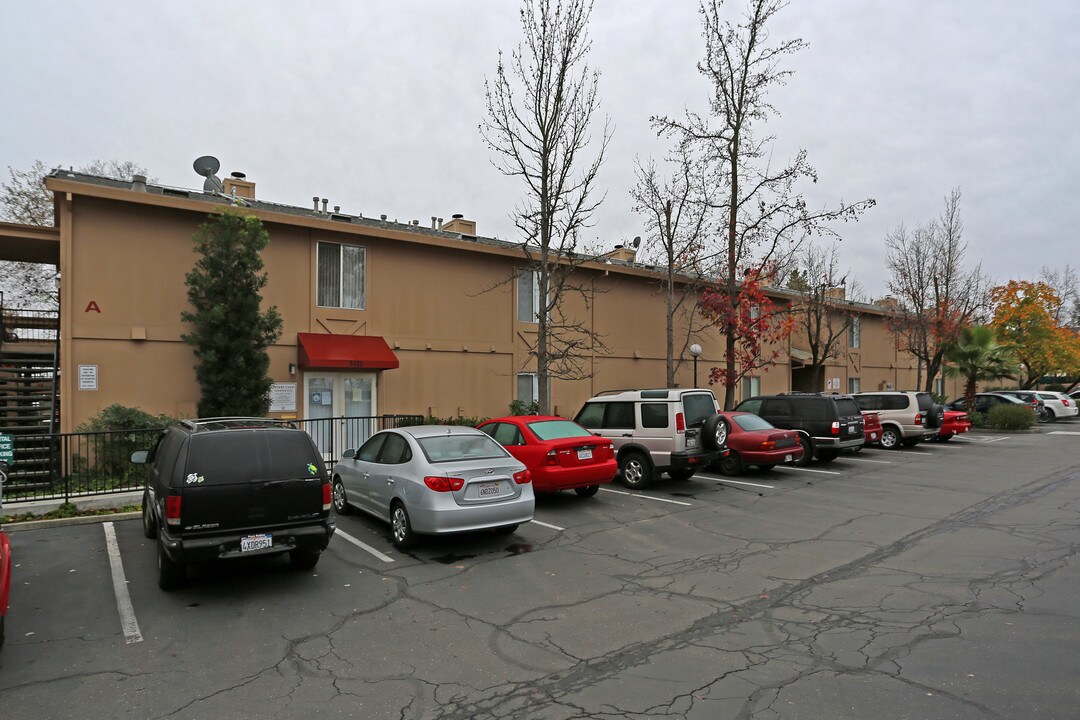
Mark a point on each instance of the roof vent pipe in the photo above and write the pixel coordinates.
(433, 219)
(138, 183)
(325, 202)
(383, 217)
(315, 200)
(337, 209)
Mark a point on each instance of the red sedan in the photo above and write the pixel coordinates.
(754, 441)
(560, 454)
(955, 422)
(872, 426)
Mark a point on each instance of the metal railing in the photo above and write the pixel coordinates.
(71, 465)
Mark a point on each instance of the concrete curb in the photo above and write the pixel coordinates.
(61, 522)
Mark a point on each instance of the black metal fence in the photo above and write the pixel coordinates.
(71, 465)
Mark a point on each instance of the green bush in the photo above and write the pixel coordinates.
(520, 407)
(460, 420)
(102, 458)
(1055, 387)
(1010, 417)
(121, 417)
(978, 420)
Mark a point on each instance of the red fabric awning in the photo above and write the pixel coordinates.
(356, 352)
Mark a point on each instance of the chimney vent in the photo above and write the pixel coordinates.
(315, 201)
(325, 202)
(458, 224)
(238, 175)
(138, 183)
(238, 186)
(337, 209)
(433, 225)
(383, 217)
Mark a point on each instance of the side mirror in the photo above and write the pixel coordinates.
(348, 454)
(139, 457)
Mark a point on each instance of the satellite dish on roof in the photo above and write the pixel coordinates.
(207, 166)
(637, 242)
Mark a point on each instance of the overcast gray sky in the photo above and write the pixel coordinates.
(376, 106)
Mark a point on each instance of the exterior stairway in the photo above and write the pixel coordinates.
(29, 401)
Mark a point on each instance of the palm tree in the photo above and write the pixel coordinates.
(977, 356)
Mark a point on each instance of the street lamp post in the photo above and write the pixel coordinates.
(695, 350)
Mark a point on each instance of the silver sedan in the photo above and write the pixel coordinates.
(434, 479)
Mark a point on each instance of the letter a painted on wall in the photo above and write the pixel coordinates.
(92, 307)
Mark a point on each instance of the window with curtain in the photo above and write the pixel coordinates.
(340, 281)
(528, 296)
(854, 333)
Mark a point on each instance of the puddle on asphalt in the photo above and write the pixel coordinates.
(451, 559)
(519, 548)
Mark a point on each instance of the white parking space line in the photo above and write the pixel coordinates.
(646, 497)
(123, 599)
(362, 546)
(1062, 432)
(802, 469)
(876, 462)
(547, 525)
(733, 482)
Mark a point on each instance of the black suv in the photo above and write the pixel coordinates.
(222, 488)
(827, 424)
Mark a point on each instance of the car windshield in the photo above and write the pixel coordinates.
(557, 429)
(752, 422)
(451, 448)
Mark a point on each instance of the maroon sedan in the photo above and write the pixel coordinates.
(872, 426)
(754, 441)
(560, 454)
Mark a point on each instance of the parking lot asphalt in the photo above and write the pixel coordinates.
(935, 582)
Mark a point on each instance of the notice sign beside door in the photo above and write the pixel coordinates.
(283, 397)
(88, 377)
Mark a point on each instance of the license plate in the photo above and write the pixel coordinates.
(256, 542)
(584, 454)
(489, 489)
(691, 442)
(787, 458)
(852, 430)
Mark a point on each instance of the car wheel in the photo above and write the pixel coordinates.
(587, 491)
(807, 451)
(714, 432)
(304, 559)
(731, 464)
(341, 502)
(826, 455)
(149, 525)
(404, 537)
(636, 470)
(890, 438)
(171, 575)
(681, 475)
(506, 529)
(1044, 414)
(766, 467)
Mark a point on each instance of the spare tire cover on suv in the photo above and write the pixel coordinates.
(714, 432)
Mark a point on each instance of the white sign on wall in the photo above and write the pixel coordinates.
(833, 384)
(283, 397)
(88, 377)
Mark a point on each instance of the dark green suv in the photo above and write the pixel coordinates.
(827, 424)
(223, 488)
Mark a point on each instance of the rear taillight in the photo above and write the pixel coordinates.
(680, 423)
(523, 478)
(918, 418)
(552, 458)
(836, 428)
(172, 509)
(768, 445)
(327, 496)
(444, 484)
(1065, 402)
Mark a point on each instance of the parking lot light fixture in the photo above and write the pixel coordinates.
(695, 350)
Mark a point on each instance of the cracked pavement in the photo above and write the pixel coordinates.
(934, 584)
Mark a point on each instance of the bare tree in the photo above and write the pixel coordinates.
(25, 199)
(938, 296)
(1066, 284)
(675, 213)
(540, 109)
(821, 313)
(766, 218)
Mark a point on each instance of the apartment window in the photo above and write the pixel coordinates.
(340, 281)
(528, 296)
(755, 312)
(527, 388)
(751, 386)
(853, 385)
(854, 333)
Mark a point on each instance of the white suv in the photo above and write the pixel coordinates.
(1059, 405)
(673, 430)
(906, 417)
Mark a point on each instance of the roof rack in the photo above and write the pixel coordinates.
(221, 423)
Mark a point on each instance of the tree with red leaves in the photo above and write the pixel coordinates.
(758, 324)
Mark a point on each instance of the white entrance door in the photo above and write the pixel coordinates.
(339, 395)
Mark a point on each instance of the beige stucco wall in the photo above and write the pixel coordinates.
(447, 308)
